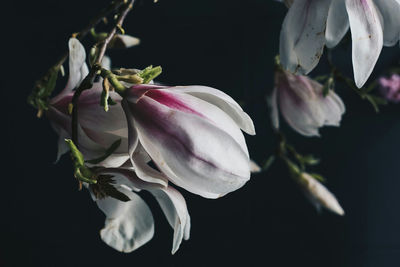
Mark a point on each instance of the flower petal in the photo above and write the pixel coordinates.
(77, 67)
(128, 225)
(174, 207)
(390, 11)
(92, 114)
(193, 152)
(223, 101)
(302, 36)
(367, 37)
(199, 107)
(331, 105)
(91, 144)
(299, 105)
(337, 24)
(144, 171)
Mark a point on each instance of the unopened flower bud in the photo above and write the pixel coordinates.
(318, 194)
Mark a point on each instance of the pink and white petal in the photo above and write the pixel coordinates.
(390, 11)
(191, 151)
(302, 37)
(128, 225)
(299, 103)
(139, 163)
(198, 107)
(273, 104)
(367, 37)
(147, 173)
(174, 207)
(136, 92)
(132, 132)
(93, 116)
(89, 146)
(223, 101)
(337, 24)
(300, 115)
(332, 106)
(77, 67)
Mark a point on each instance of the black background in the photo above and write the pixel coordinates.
(230, 45)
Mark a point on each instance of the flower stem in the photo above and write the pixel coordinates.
(37, 95)
(87, 83)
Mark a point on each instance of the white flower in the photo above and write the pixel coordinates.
(97, 129)
(130, 224)
(310, 24)
(318, 194)
(303, 105)
(192, 133)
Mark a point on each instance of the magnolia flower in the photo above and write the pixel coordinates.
(97, 129)
(303, 105)
(390, 88)
(130, 224)
(192, 133)
(318, 194)
(310, 24)
(200, 146)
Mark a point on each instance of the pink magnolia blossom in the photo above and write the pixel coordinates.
(312, 24)
(302, 104)
(390, 88)
(192, 133)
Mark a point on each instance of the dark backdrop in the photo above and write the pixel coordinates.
(230, 45)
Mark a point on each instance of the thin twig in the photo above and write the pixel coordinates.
(44, 86)
(96, 20)
(87, 83)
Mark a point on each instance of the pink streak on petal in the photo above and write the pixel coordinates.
(170, 101)
(156, 123)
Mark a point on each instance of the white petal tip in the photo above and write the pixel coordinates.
(338, 210)
(254, 167)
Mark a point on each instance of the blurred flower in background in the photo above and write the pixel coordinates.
(390, 88)
(303, 105)
(309, 25)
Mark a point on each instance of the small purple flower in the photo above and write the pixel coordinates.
(390, 88)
